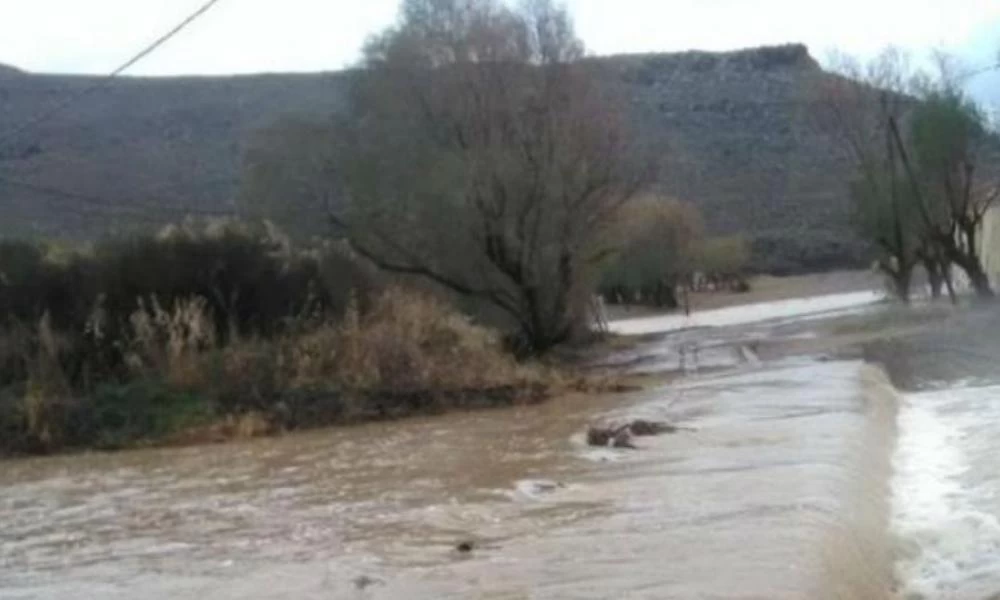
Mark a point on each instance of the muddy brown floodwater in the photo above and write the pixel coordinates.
(772, 495)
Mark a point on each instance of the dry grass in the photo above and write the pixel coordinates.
(406, 342)
(47, 384)
(411, 341)
(171, 344)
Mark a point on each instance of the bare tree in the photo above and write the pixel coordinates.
(858, 108)
(483, 153)
(947, 155)
(922, 153)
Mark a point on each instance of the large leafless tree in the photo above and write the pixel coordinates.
(858, 107)
(485, 153)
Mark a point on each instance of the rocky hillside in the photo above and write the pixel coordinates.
(738, 128)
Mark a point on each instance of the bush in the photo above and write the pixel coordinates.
(410, 342)
(250, 279)
(32, 284)
(141, 411)
(661, 242)
(407, 342)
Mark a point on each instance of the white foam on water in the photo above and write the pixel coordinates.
(748, 313)
(945, 499)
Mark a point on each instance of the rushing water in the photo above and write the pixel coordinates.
(773, 491)
(947, 494)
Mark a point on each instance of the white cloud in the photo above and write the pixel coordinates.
(304, 35)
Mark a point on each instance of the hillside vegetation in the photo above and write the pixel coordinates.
(737, 131)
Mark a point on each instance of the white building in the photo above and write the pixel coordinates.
(989, 244)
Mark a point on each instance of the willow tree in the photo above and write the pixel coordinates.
(483, 152)
(948, 151)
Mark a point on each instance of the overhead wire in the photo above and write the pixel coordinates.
(51, 112)
(155, 45)
(54, 110)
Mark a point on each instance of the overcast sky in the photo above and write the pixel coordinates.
(241, 36)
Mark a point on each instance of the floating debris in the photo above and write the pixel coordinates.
(641, 427)
(613, 437)
(365, 581)
(620, 436)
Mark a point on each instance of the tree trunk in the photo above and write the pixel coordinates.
(935, 278)
(900, 279)
(980, 282)
(946, 274)
(972, 265)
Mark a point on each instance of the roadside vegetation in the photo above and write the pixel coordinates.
(222, 330)
(926, 168)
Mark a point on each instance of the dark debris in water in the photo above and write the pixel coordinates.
(364, 582)
(641, 427)
(621, 435)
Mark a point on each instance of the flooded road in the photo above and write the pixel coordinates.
(776, 490)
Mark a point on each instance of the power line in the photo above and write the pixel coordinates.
(104, 81)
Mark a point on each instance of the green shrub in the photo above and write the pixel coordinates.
(120, 415)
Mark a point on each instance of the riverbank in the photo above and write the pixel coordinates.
(211, 331)
(776, 484)
(774, 487)
(407, 354)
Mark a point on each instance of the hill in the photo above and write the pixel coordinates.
(738, 128)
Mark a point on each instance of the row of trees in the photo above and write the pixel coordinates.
(480, 150)
(926, 167)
